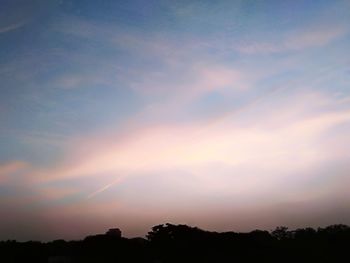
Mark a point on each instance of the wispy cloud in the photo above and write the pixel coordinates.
(12, 27)
(11, 168)
(193, 147)
(264, 157)
(313, 37)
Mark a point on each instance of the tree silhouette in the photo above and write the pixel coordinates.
(182, 243)
(281, 233)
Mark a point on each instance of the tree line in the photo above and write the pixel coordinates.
(182, 243)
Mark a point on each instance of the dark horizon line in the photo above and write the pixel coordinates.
(277, 228)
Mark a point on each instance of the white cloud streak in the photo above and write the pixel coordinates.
(12, 27)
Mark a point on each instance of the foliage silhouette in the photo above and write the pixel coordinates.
(182, 243)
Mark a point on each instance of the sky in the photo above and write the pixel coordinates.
(226, 115)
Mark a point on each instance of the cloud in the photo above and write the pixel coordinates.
(10, 168)
(8, 28)
(302, 39)
(193, 80)
(248, 152)
(314, 37)
(54, 193)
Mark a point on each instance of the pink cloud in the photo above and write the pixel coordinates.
(270, 145)
(250, 152)
(10, 168)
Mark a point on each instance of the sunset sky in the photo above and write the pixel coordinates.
(226, 115)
